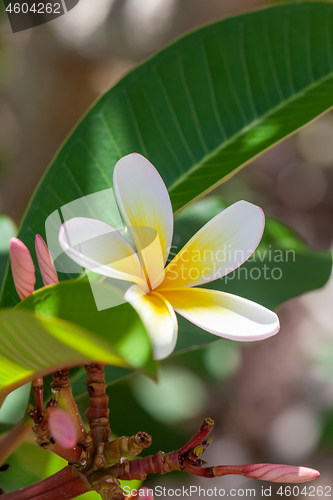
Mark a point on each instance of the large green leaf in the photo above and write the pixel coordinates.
(32, 346)
(119, 326)
(282, 267)
(199, 110)
(37, 344)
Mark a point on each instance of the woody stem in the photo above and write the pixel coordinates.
(62, 391)
(160, 463)
(65, 484)
(63, 397)
(197, 439)
(98, 411)
(38, 391)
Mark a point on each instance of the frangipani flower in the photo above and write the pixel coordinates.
(221, 246)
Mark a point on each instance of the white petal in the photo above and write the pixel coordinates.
(99, 247)
(145, 205)
(158, 317)
(223, 314)
(221, 246)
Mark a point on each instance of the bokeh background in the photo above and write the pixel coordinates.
(271, 401)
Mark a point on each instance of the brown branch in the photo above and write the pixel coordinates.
(111, 491)
(98, 412)
(65, 485)
(38, 391)
(160, 463)
(109, 488)
(199, 450)
(126, 447)
(97, 474)
(197, 439)
(200, 471)
(73, 455)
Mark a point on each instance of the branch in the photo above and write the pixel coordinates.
(64, 397)
(126, 447)
(160, 463)
(65, 485)
(98, 412)
(38, 390)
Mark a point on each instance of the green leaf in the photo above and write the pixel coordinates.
(199, 110)
(282, 267)
(7, 231)
(14, 407)
(27, 466)
(119, 327)
(33, 345)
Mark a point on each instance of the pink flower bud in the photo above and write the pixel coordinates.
(270, 472)
(45, 262)
(146, 494)
(280, 473)
(61, 427)
(23, 268)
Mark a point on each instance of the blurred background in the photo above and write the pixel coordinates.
(271, 401)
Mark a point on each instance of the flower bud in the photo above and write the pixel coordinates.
(45, 262)
(61, 427)
(23, 268)
(280, 473)
(270, 472)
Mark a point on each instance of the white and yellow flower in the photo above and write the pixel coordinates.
(221, 246)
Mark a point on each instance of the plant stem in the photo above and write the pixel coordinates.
(160, 463)
(197, 439)
(98, 412)
(63, 394)
(64, 485)
(44, 439)
(126, 447)
(38, 390)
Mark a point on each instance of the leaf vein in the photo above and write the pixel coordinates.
(191, 103)
(212, 91)
(174, 116)
(247, 80)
